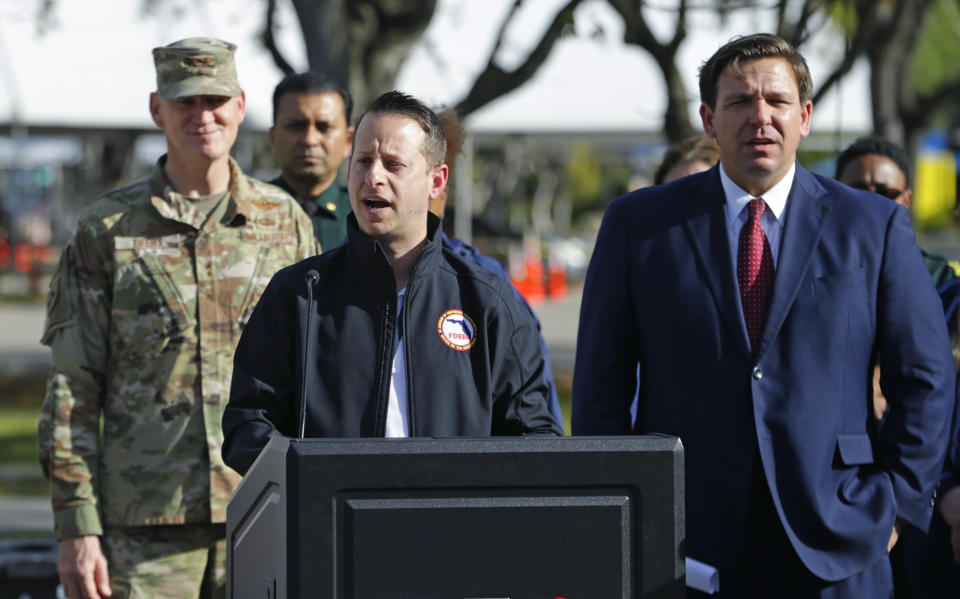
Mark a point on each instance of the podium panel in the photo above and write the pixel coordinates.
(463, 518)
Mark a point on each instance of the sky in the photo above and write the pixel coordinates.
(93, 67)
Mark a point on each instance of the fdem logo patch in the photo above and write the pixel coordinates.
(457, 330)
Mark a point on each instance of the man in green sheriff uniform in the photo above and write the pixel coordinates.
(144, 313)
(311, 136)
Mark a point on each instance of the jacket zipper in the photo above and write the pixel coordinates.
(383, 371)
(402, 323)
(407, 364)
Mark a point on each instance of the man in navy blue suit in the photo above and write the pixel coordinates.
(752, 297)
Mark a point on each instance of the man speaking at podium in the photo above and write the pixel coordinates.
(753, 297)
(390, 334)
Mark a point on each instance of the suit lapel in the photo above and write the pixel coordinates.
(806, 210)
(706, 226)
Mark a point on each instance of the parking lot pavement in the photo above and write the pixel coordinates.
(21, 326)
(19, 514)
(558, 323)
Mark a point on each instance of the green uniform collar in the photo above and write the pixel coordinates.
(328, 211)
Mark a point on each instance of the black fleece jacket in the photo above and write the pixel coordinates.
(474, 363)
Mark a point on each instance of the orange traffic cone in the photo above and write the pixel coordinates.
(23, 257)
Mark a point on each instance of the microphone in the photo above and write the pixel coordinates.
(310, 279)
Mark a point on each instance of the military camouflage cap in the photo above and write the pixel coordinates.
(197, 66)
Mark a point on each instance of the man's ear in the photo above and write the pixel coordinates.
(242, 105)
(706, 116)
(438, 180)
(349, 145)
(805, 118)
(155, 109)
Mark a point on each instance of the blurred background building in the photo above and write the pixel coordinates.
(568, 103)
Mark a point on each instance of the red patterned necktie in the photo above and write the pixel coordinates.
(754, 271)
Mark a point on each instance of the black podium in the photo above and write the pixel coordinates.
(507, 517)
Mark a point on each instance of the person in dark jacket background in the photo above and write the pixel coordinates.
(877, 164)
(932, 558)
(403, 337)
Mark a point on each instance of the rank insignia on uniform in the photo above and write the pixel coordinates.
(331, 207)
(457, 330)
(196, 62)
(265, 204)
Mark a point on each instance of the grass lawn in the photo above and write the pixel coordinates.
(25, 486)
(18, 435)
(18, 453)
(19, 409)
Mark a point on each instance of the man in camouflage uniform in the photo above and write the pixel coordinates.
(143, 316)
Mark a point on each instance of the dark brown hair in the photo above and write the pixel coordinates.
(400, 104)
(311, 83)
(747, 48)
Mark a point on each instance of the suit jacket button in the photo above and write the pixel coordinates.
(757, 373)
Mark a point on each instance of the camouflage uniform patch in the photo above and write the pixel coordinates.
(144, 313)
(179, 562)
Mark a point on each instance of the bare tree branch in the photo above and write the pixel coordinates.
(45, 15)
(381, 45)
(270, 43)
(676, 120)
(680, 32)
(722, 6)
(810, 8)
(891, 55)
(494, 82)
(326, 33)
(637, 31)
(781, 19)
(866, 34)
(502, 32)
(913, 110)
(929, 103)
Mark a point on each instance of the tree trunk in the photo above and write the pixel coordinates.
(676, 118)
(325, 31)
(891, 59)
(362, 43)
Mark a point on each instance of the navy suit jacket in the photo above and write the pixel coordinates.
(661, 291)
